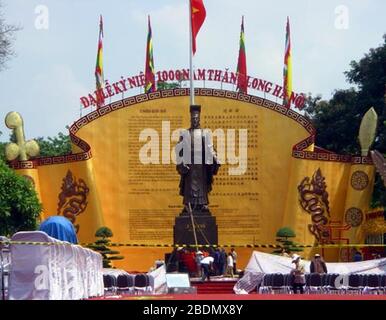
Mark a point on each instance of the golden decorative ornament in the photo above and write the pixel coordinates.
(359, 180)
(367, 131)
(11, 151)
(354, 217)
(374, 226)
(21, 149)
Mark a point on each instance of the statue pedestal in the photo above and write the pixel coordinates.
(206, 229)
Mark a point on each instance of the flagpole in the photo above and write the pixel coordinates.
(191, 56)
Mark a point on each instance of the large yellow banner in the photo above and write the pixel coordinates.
(125, 177)
(140, 201)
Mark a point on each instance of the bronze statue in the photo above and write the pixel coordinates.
(196, 163)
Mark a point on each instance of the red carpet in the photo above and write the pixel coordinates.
(246, 297)
(222, 289)
(214, 287)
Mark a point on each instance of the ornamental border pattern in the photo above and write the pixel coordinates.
(298, 150)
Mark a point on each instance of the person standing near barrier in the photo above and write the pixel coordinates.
(357, 257)
(206, 266)
(299, 274)
(284, 253)
(223, 261)
(217, 262)
(234, 256)
(199, 257)
(229, 270)
(318, 265)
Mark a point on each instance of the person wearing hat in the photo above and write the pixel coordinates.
(298, 273)
(318, 265)
(199, 257)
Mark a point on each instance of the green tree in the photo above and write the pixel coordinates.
(369, 75)
(54, 146)
(19, 204)
(379, 194)
(337, 120)
(7, 36)
(162, 85)
(102, 246)
(49, 147)
(334, 121)
(2, 150)
(284, 236)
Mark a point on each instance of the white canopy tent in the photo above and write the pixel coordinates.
(262, 263)
(58, 271)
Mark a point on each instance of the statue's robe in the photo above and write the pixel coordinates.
(199, 164)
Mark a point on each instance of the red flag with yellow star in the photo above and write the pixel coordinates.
(198, 14)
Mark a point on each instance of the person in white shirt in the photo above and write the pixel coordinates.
(299, 274)
(230, 264)
(234, 256)
(199, 257)
(206, 265)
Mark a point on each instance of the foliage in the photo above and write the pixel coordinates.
(2, 150)
(285, 232)
(19, 204)
(102, 246)
(283, 237)
(104, 232)
(161, 85)
(379, 194)
(337, 120)
(54, 146)
(7, 36)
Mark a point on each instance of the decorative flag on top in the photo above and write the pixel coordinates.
(287, 71)
(150, 85)
(198, 14)
(99, 67)
(242, 63)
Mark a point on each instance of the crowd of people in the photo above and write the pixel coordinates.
(218, 262)
(204, 264)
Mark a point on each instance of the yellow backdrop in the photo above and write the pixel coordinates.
(140, 202)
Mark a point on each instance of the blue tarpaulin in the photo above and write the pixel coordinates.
(59, 228)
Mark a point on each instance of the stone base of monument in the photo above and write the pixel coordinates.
(206, 229)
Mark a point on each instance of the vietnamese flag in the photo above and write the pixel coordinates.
(287, 70)
(150, 85)
(99, 66)
(198, 14)
(242, 63)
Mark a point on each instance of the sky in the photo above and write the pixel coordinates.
(56, 47)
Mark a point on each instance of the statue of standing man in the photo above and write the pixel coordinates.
(196, 163)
